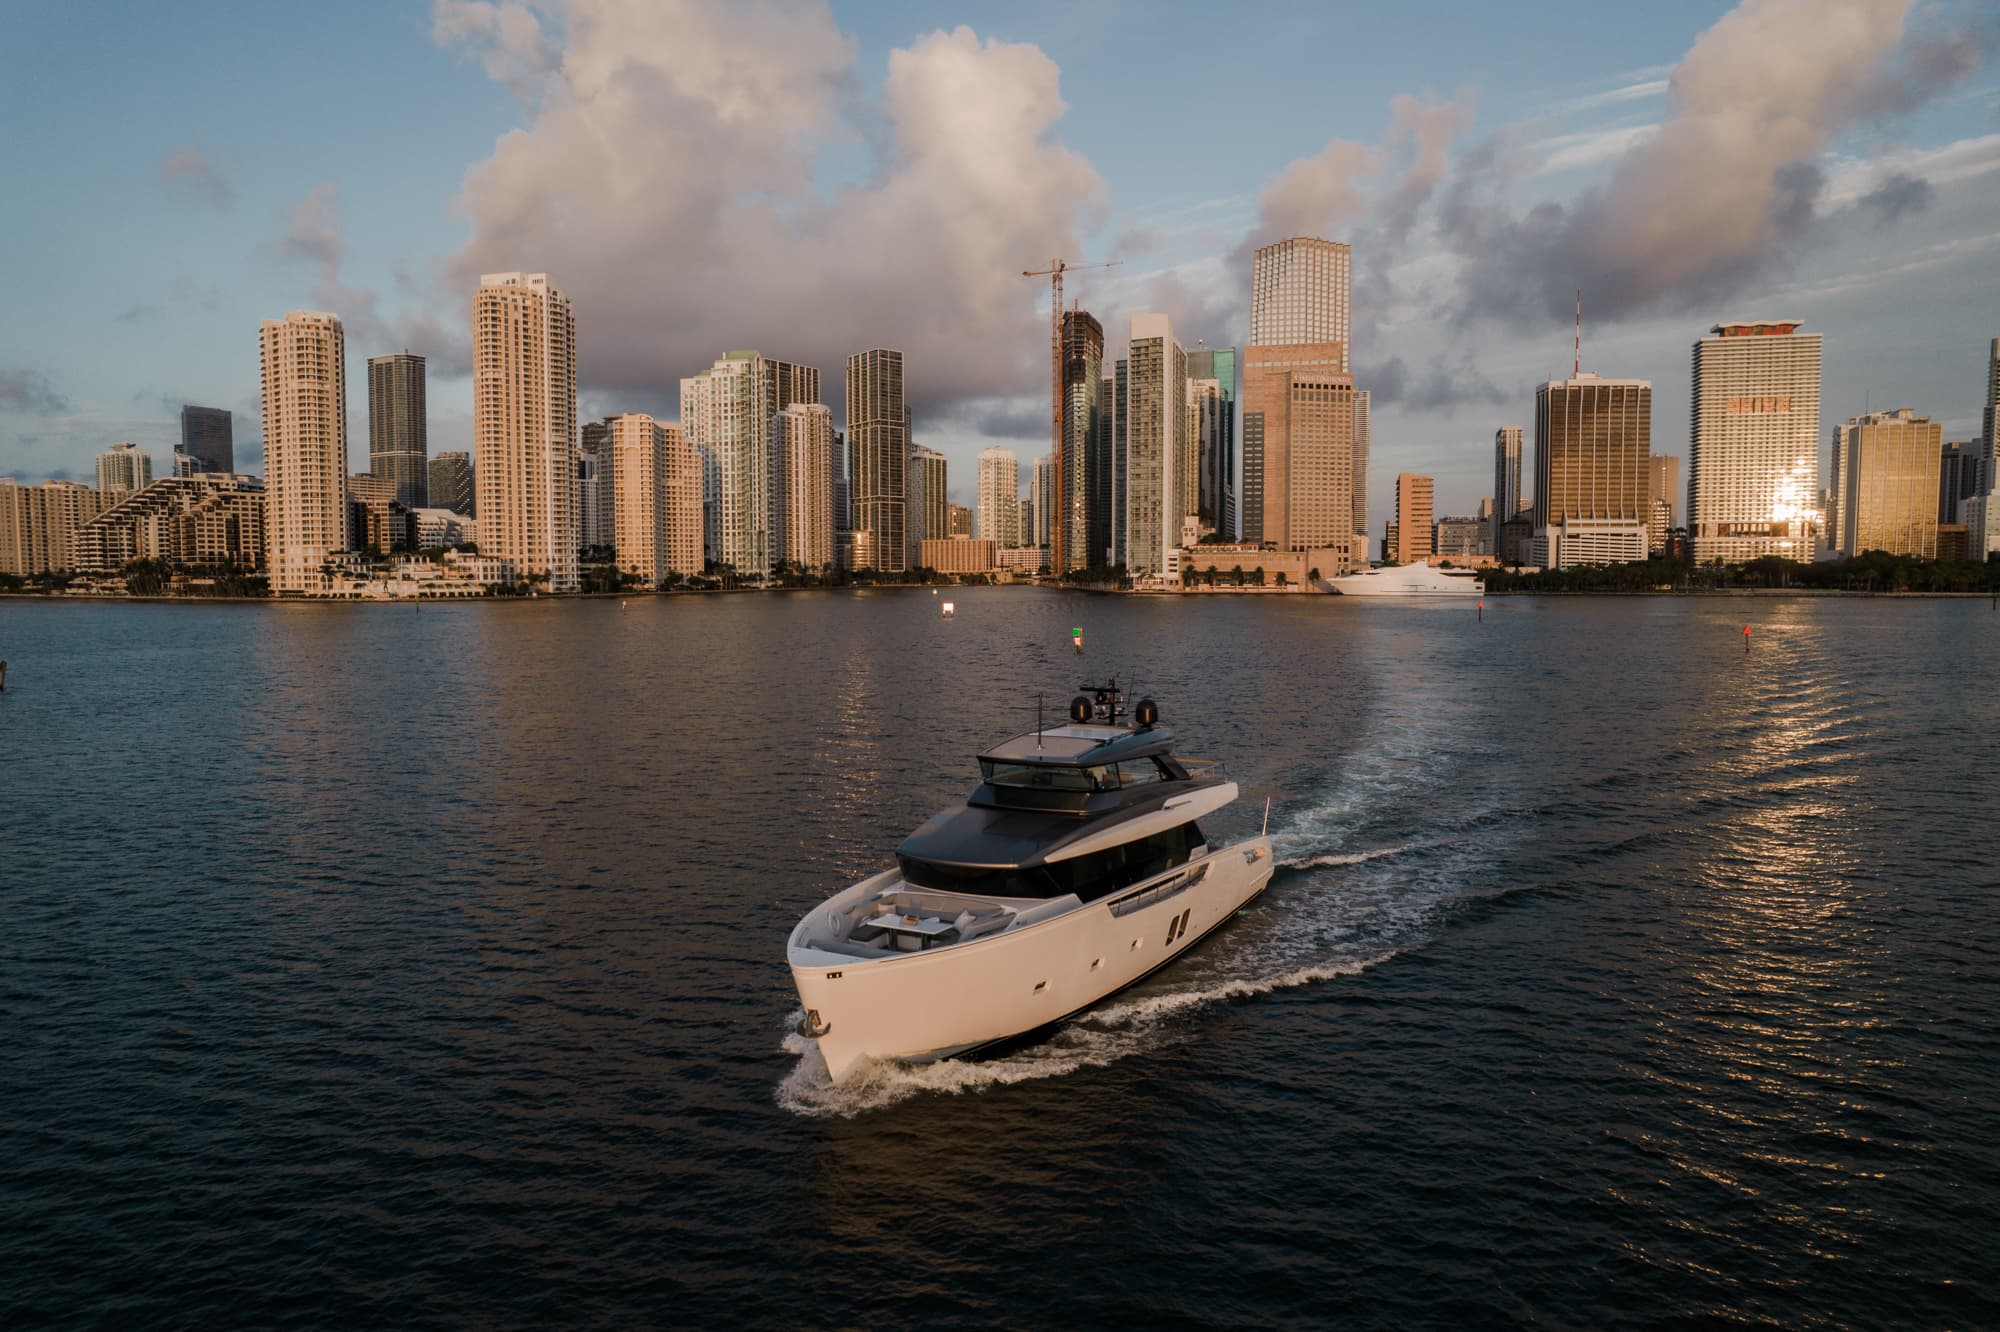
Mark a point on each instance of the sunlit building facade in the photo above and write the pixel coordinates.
(1593, 457)
(1415, 500)
(305, 447)
(1886, 478)
(1753, 458)
(802, 474)
(124, 467)
(524, 426)
(997, 509)
(726, 413)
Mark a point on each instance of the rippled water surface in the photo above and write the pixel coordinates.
(371, 964)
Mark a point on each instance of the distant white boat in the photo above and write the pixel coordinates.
(1409, 580)
(947, 610)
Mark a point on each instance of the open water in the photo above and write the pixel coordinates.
(366, 965)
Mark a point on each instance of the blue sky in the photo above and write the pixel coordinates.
(814, 181)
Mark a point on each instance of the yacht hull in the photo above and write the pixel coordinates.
(950, 1001)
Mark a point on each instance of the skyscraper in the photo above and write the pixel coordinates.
(1102, 466)
(1663, 483)
(1215, 434)
(1507, 494)
(524, 425)
(1299, 295)
(997, 513)
(1981, 512)
(926, 499)
(398, 433)
(802, 480)
(682, 553)
(1082, 458)
(450, 483)
(209, 433)
(878, 435)
(1363, 405)
(637, 449)
(1959, 471)
(1299, 357)
(1753, 459)
(1160, 485)
(1041, 502)
(1887, 473)
(1414, 518)
(124, 467)
(726, 412)
(596, 487)
(305, 447)
(1593, 450)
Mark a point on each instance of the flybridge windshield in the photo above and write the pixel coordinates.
(1055, 777)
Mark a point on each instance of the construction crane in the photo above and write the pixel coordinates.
(1059, 519)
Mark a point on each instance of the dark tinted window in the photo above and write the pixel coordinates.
(1089, 877)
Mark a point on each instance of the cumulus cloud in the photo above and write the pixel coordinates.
(665, 180)
(30, 391)
(311, 233)
(1726, 187)
(1377, 190)
(190, 173)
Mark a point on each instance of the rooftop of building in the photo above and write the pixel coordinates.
(1750, 328)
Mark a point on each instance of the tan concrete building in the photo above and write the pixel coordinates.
(1214, 567)
(1509, 496)
(1415, 533)
(802, 480)
(1299, 424)
(38, 524)
(1886, 481)
(957, 519)
(683, 551)
(1159, 468)
(1298, 355)
(376, 519)
(1753, 455)
(961, 555)
(524, 426)
(305, 447)
(638, 448)
(209, 519)
(124, 467)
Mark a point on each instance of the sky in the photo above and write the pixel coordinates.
(812, 180)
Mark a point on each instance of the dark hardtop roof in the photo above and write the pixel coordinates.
(998, 837)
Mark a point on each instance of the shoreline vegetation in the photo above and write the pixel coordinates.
(1874, 574)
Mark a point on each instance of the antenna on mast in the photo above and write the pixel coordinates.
(1578, 370)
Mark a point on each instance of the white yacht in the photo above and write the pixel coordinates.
(1409, 580)
(1074, 869)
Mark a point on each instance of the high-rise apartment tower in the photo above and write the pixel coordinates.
(305, 447)
(524, 425)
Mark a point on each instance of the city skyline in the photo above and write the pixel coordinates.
(1878, 208)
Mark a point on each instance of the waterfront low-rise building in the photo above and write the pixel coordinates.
(960, 555)
(38, 524)
(210, 519)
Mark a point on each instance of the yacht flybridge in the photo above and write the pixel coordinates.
(1075, 868)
